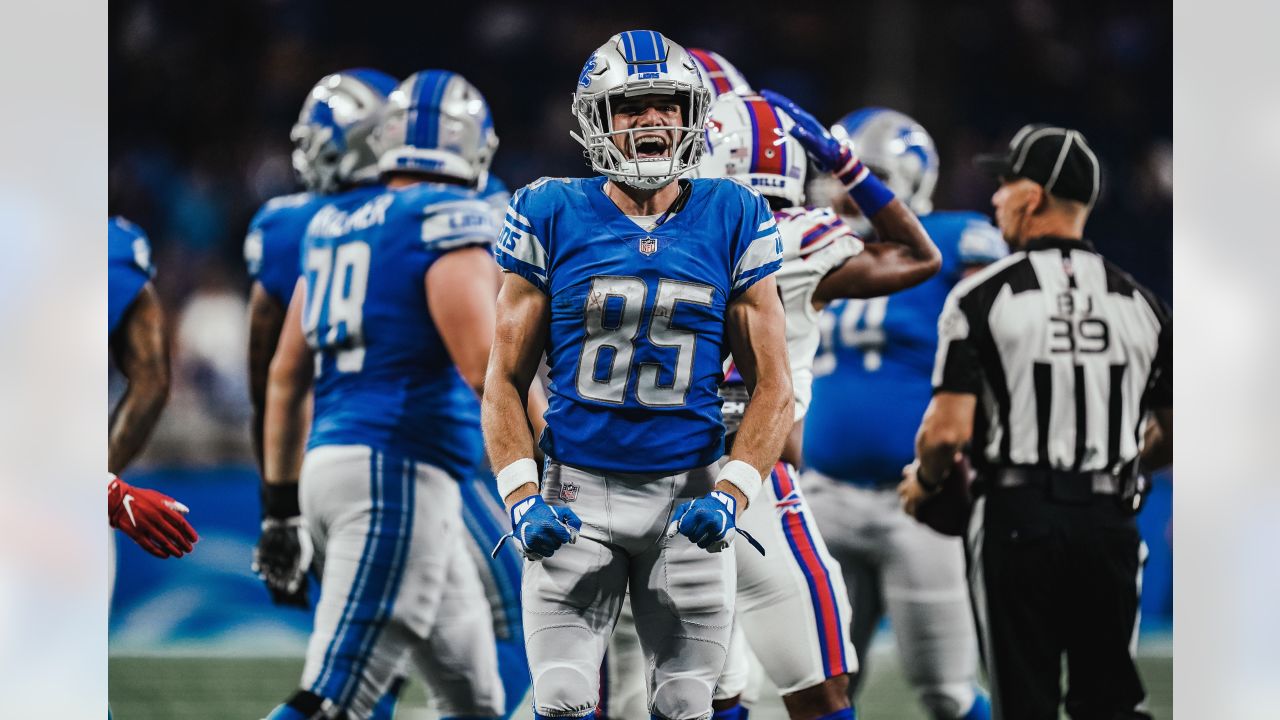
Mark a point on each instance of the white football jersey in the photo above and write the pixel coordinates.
(815, 241)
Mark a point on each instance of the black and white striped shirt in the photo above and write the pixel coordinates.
(1065, 353)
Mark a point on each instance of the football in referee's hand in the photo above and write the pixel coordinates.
(948, 511)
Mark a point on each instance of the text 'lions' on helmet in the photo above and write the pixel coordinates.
(718, 74)
(897, 149)
(331, 138)
(633, 64)
(437, 122)
(749, 140)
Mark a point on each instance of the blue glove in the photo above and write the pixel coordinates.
(834, 156)
(540, 529)
(710, 521)
(830, 154)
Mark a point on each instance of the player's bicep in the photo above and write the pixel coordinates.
(141, 347)
(292, 362)
(756, 330)
(460, 292)
(266, 319)
(521, 331)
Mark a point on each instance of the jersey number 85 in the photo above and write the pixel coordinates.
(620, 339)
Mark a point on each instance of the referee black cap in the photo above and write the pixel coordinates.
(1057, 158)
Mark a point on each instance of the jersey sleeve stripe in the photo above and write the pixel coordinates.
(762, 251)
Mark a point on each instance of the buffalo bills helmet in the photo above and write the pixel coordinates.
(897, 149)
(749, 140)
(437, 122)
(331, 138)
(718, 74)
(631, 64)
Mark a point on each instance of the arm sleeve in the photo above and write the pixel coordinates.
(958, 367)
(519, 248)
(457, 224)
(758, 247)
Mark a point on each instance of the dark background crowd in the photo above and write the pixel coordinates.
(202, 96)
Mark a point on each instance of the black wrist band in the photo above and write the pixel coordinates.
(280, 500)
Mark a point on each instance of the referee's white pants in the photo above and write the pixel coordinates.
(397, 585)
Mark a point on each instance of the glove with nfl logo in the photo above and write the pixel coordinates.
(284, 551)
(710, 521)
(540, 529)
(154, 520)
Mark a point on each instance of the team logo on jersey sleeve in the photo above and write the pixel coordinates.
(568, 491)
(648, 246)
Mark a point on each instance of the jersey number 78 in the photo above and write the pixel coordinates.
(337, 280)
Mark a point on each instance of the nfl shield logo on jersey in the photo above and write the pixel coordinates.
(569, 492)
(648, 246)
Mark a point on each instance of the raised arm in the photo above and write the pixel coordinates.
(141, 351)
(266, 319)
(756, 327)
(905, 257)
(523, 313)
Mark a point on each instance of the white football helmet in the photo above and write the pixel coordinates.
(718, 74)
(436, 122)
(749, 140)
(897, 149)
(631, 64)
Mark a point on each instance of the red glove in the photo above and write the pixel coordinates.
(154, 520)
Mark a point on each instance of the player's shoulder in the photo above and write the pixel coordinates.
(965, 237)
(806, 230)
(285, 209)
(122, 234)
(443, 216)
(546, 195)
(728, 192)
(128, 244)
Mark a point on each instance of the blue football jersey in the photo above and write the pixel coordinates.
(637, 331)
(271, 245)
(872, 373)
(383, 375)
(128, 267)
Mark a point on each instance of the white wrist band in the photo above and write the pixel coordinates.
(522, 471)
(742, 476)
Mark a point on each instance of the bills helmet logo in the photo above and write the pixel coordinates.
(648, 246)
(569, 491)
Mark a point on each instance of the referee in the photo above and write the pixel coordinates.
(1056, 368)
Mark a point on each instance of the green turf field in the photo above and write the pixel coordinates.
(185, 688)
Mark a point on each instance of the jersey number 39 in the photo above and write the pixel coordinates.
(619, 340)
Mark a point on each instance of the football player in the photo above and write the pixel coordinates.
(878, 353)
(331, 116)
(793, 604)
(635, 285)
(140, 349)
(392, 322)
